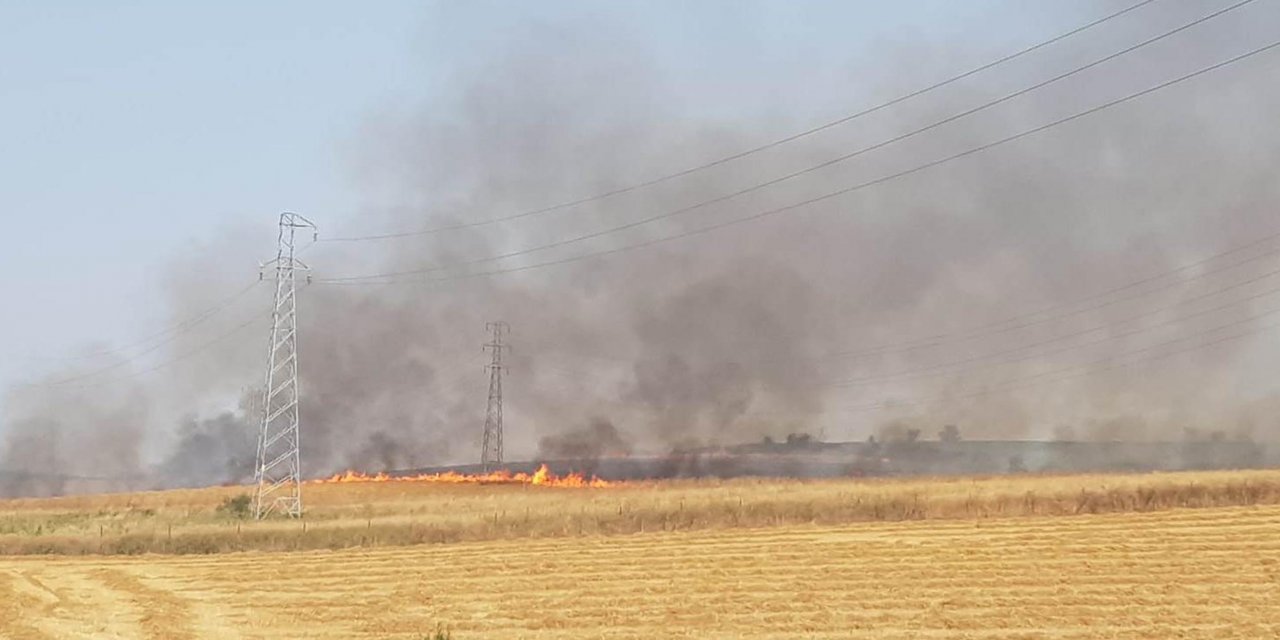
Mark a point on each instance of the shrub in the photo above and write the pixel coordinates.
(236, 506)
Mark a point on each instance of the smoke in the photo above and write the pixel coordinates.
(713, 350)
(30, 451)
(54, 443)
(848, 317)
(596, 440)
(216, 450)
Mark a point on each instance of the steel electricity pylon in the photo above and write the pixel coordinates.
(491, 447)
(278, 472)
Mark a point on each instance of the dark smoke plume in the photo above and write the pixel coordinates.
(596, 440)
(212, 451)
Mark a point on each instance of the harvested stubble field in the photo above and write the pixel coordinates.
(1029, 557)
(397, 514)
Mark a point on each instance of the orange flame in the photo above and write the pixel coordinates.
(541, 477)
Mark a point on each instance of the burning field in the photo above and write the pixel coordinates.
(542, 477)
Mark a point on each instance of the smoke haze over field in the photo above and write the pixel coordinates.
(769, 327)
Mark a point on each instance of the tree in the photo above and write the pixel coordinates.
(949, 433)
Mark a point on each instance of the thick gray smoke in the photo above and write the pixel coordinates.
(841, 319)
(596, 440)
(90, 440)
(712, 351)
(211, 451)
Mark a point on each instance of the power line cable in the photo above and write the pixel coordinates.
(1137, 283)
(1000, 327)
(914, 344)
(758, 215)
(794, 174)
(932, 370)
(111, 367)
(810, 201)
(21, 475)
(996, 328)
(899, 347)
(1085, 370)
(163, 365)
(182, 326)
(1080, 370)
(753, 150)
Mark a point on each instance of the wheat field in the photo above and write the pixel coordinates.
(1190, 555)
(394, 514)
(1190, 573)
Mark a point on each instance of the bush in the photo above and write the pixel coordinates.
(237, 506)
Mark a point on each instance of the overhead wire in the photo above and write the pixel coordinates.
(163, 365)
(1000, 357)
(379, 278)
(912, 345)
(196, 319)
(1028, 132)
(181, 326)
(934, 163)
(754, 150)
(1075, 371)
(996, 328)
(367, 280)
(1086, 368)
(915, 373)
(172, 335)
(1001, 327)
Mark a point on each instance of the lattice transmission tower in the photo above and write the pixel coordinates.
(491, 446)
(278, 473)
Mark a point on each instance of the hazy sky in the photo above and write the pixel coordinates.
(149, 149)
(133, 131)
